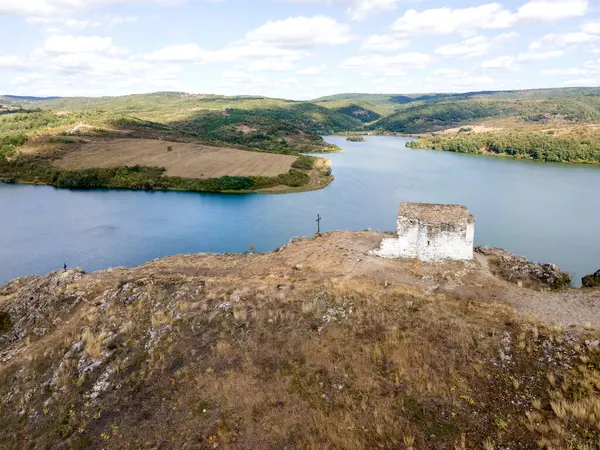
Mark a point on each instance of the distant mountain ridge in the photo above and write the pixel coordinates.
(397, 113)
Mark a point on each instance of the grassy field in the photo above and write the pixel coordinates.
(185, 160)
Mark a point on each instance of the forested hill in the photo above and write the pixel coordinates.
(420, 113)
(401, 113)
(274, 125)
(261, 122)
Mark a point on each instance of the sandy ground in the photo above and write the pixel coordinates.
(344, 255)
(184, 160)
(474, 129)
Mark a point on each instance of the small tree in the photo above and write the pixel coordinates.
(169, 148)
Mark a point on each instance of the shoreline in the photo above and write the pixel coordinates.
(317, 178)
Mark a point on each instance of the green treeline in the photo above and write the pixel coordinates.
(434, 115)
(518, 144)
(419, 118)
(267, 129)
(353, 138)
(36, 170)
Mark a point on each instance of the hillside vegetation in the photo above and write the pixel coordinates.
(576, 146)
(539, 124)
(40, 131)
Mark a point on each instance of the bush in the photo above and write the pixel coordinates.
(591, 281)
(293, 178)
(5, 322)
(355, 139)
(304, 162)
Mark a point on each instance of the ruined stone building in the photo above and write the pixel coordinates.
(431, 232)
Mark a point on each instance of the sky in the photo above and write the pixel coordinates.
(296, 49)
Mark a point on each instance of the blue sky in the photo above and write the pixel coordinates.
(295, 49)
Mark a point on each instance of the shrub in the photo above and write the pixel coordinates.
(355, 139)
(304, 162)
(591, 281)
(5, 322)
(293, 178)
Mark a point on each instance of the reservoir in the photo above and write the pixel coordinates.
(546, 212)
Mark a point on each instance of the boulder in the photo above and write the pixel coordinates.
(520, 271)
(591, 281)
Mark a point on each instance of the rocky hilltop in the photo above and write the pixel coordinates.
(316, 345)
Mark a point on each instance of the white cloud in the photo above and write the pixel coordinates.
(58, 24)
(469, 48)
(310, 71)
(502, 63)
(588, 33)
(450, 73)
(67, 44)
(588, 68)
(325, 83)
(592, 66)
(568, 71)
(234, 80)
(360, 9)
(301, 32)
(14, 63)
(274, 46)
(388, 64)
(383, 43)
(538, 56)
(506, 62)
(446, 21)
(440, 21)
(256, 56)
(269, 64)
(582, 82)
(551, 10)
(357, 9)
(178, 53)
(74, 24)
(39, 8)
(474, 83)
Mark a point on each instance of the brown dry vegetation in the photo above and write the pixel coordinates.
(315, 346)
(186, 160)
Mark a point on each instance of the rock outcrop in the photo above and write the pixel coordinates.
(520, 271)
(591, 281)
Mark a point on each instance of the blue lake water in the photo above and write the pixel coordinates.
(547, 212)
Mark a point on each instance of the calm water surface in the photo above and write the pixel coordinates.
(546, 212)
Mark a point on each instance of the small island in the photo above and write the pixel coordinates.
(355, 138)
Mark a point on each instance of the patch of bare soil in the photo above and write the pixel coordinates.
(245, 129)
(471, 128)
(181, 159)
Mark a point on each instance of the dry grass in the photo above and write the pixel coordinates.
(93, 343)
(184, 160)
(211, 355)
